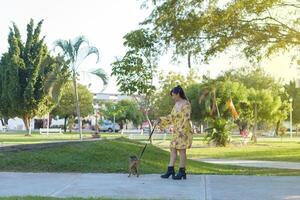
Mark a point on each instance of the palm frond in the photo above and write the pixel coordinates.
(56, 90)
(53, 85)
(55, 79)
(85, 52)
(103, 75)
(77, 42)
(63, 44)
(204, 93)
(67, 49)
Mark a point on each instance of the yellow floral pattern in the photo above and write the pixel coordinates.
(182, 135)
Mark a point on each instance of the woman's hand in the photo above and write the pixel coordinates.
(158, 121)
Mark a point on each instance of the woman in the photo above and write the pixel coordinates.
(182, 134)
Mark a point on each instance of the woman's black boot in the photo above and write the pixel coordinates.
(181, 174)
(170, 172)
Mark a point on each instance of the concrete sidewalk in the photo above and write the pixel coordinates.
(253, 163)
(119, 186)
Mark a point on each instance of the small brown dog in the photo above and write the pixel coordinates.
(134, 166)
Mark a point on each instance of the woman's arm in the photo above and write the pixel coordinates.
(166, 121)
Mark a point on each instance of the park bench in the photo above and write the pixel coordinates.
(50, 130)
(4, 129)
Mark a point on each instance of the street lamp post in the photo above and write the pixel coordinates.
(114, 127)
(114, 99)
(291, 117)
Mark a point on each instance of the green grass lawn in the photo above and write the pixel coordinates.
(111, 156)
(20, 138)
(273, 149)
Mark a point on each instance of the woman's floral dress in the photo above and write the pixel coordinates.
(182, 135)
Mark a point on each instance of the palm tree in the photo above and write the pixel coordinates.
(75, 55)
(208, 97)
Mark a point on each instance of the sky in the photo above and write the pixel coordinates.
(104, 23)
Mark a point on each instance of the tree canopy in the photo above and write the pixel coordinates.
(125, 111)
(30, 77)
(136, 70)
(66, 107)
(256, 28)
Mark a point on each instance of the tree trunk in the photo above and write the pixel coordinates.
(215, 103)
(277, 127)
(145, 111)
(189, 60)
(3, 122)
(25, 120)
(77, 104)
(50, 119)
(150, 124)
(65, 124)
(27, 123)
(254, 138)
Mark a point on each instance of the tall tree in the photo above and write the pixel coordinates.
(125, 111)
(66, 107)
(136, 69)
(25, 85)
(256, 78)
(75, 52)
(293, 93)
(259, 80)
(163, 102)
(256, 97)
(214, 95)
(265, 106)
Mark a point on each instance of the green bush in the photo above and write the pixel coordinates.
(219, 132)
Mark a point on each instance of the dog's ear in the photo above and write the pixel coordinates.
(134, 157)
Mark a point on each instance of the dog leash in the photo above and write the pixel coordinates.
(147, 143)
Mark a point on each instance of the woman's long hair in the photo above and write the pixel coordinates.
(178, 90)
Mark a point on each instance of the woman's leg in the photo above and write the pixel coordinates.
(181, 173)
(173, 156)
(171, 171)
(182, 153)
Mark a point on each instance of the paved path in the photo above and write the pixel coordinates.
(254, 163)
(196, 187)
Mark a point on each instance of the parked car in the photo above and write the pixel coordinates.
(108, 126)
